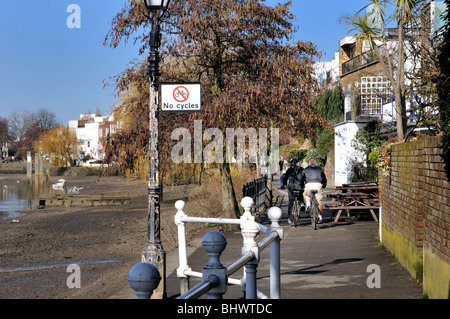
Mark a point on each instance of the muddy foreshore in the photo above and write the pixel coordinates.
(106, 241)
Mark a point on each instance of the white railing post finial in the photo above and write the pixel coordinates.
(247, 203)
(274, 215)
(179, 205)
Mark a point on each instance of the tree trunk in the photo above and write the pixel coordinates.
(400, 106)
(400, 102)
(230, 205)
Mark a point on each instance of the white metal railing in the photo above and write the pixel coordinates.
(215, 277)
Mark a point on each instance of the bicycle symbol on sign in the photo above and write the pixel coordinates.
(181, 94)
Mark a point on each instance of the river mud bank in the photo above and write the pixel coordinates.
(37, 249)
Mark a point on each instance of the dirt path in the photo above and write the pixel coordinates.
(107, 241)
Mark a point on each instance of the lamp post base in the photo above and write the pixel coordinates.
(154, 254)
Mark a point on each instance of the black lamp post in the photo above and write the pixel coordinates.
(157, 4)
(153, 251)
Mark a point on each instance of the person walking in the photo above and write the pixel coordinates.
(284, 165)
(292, 179)
(313, 178)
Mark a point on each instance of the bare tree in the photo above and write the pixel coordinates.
(46, 119)
(19, 123)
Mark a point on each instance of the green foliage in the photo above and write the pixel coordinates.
(362, 174)
(330, 104)
(298, 154)
(325, 143)
(374, 156)
(424, 296)
(368, 141)
(381, 157)
(320, 158)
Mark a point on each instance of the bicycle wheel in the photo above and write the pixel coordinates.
(314, 211)
(296, 212)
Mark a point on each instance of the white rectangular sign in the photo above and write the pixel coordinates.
(181, 97)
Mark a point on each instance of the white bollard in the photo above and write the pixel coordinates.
(250, 231)
(182, 249)
(274, 215)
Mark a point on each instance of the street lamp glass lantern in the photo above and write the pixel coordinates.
(156, 4)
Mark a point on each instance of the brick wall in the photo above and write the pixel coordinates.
(373, 69)
(416, 213)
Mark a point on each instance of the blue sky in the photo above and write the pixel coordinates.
(318, 21)
(44, 64)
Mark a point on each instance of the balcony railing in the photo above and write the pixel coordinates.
(358, 62)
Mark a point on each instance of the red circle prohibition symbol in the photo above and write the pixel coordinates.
(181, 94)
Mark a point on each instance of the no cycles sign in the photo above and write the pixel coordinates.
(181, 94)
(181, 97)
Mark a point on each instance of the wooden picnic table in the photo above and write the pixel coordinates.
(355, 196)
(361, 183)
(367, 187)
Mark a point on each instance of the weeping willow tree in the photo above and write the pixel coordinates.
(60, 144)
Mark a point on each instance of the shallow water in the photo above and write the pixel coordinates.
(13, 199)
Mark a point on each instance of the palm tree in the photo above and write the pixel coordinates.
(372, 28)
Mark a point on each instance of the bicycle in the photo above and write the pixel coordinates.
(314, 210)
(296, 207)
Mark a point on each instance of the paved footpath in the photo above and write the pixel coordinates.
(332, 262)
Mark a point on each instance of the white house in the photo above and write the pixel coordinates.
(91, 130)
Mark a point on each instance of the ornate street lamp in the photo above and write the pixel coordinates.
(157, 4)
(153, 251)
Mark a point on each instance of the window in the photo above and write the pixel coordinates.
(373, 90)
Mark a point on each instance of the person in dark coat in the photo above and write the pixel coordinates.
(313, 178)
(292, 180)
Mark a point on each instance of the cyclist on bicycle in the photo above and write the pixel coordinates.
(292, 177)
(313, 178)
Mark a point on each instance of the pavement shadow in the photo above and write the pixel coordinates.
(310, 271)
